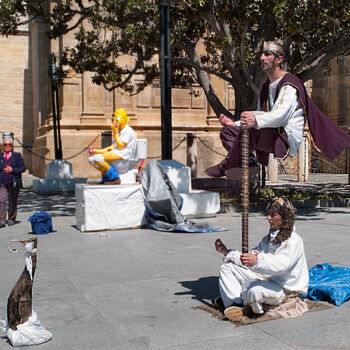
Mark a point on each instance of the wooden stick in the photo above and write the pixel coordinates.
(245, 189)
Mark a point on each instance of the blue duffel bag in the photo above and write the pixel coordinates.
(41, 223)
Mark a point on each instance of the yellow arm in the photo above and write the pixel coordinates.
(120, 144)
(104, 150)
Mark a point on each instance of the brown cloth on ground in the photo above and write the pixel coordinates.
(293, 306)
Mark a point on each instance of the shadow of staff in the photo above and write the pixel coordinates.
(203, 289)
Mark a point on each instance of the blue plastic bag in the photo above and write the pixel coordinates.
(329, 283)
(41, 223)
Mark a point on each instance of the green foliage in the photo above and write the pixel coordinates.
(266, 194)
(12, 13)
(222, 38)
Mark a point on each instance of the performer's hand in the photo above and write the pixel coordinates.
(8, 169)
(220, 247)
(225, 121)
(249, 259)
(114, 129)
(248, 120)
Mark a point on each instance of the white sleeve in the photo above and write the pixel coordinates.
(127, 136)
(281, 110)
(280, 261)
(233, 256)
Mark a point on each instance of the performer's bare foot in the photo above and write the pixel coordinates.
(226, 121)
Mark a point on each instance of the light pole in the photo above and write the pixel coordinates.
(165, 80)
(55, 79)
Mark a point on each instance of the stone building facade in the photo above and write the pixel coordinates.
(86, 109)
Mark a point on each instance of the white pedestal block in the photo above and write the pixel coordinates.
(179, 175)
(46, 186)
(108, 207)
(129, 177)
(197, 203)
(59, 169)
(200, 203)
(59, 178)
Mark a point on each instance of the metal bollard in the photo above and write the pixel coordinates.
(272, 169)
(303, 160)
(192, 157)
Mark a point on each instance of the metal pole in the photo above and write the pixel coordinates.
(58, 125)
(245, 189)
(55, 106)
(53, 102)
(263, 176)
(165, 80)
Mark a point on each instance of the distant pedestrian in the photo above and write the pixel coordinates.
(11, 168)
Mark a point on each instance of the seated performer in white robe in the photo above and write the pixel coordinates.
(269, 272)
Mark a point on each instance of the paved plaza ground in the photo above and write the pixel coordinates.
(135, 289)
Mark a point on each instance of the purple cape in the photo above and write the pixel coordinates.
(328, 137)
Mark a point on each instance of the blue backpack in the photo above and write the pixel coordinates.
(41, 223)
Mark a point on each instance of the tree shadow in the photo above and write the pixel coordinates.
(203, 289)
(307, 214)
(62, 204)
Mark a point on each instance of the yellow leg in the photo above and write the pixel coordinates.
(108, 157)
(111, 157)
(99, 168)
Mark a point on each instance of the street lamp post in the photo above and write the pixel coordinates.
(54, 78)
(165, 80)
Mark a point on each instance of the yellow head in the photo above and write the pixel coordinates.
(120, 118)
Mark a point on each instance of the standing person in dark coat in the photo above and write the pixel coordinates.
(11, 168)
(277, 126)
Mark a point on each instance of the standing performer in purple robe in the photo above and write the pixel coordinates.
(277, 126)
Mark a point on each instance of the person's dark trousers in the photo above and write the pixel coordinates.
(12, 193)
(263, 141)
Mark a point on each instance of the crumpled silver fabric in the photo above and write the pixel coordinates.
(163, 203)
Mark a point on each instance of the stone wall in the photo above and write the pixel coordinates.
(16, 96)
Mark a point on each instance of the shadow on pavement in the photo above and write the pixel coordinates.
(55, 204)
(202, 289)
(316, 213)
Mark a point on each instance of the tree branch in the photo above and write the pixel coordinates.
(203, 80)
(198, 66)
(242, 59)
(320, 62)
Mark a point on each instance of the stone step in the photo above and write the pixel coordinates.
(220, 184)
(231, 184)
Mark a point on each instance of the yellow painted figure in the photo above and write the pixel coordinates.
(114, 159)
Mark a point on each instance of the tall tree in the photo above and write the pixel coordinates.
(209, 37)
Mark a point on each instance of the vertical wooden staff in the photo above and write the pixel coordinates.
(245, 189)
